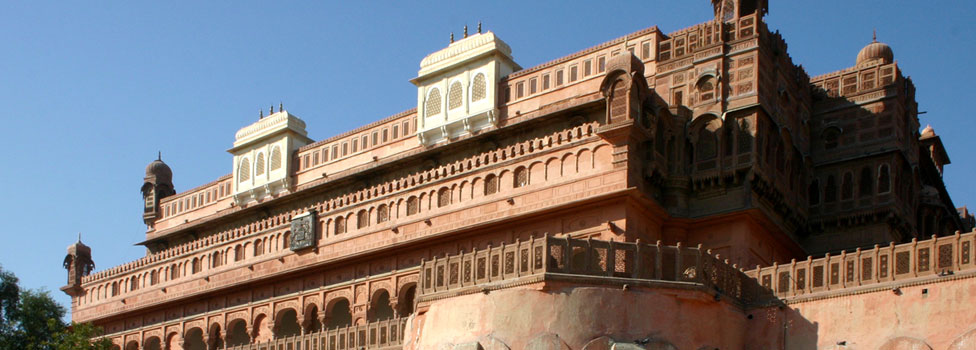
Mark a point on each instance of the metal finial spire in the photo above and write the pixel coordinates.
(271, 109)
(452, 37)
(281, 106)
(874, 37)
(79, 237)
(479, 27)
(465, 30)
(260, 113)
(159, 157)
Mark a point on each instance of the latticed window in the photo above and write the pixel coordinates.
(244, 170)
(412, 206)
(491, 184)
(706, 149)
(830, 191)
(867, 182)
(454, 96)
(706, 89)
(362, 219)
(884, 179)
(521, 177)
(433, 104)
(847, 188)
(478, 87)
(259, 164)
(340, 225)
(443, 197)
(276, 158)
(382, 213)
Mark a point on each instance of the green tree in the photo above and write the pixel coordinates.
(32, 320)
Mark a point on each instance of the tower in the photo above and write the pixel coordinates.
(731, 10)
(79, 263)
(157, 185)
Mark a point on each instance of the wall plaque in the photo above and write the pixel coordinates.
(303, 231)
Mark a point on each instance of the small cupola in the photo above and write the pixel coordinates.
(457, 87)
(157, 184)
(79, 263)
(875, 52)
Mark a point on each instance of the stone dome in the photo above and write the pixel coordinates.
(876, 50)
(160, 171)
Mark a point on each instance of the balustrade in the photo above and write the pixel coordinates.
(937, 256)
(549, 257)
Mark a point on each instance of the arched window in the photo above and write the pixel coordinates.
(478, 88)
(830, 191)
(706, 147)
(813, 193)
(276, 158)
(382, 213)
(491, 184)
(432, 106)
(831, 136)
(884, 179)
(866, 184)
(454, 96)
(521, 177)
(174, 272)
(153, 278)
(196, 266)
(362, 219)
(244, 170)
(413, 206)
(215, 260)
(238, 253)
(847, 188)
(340, 225)
(728, 141)
(706, 89)
(443, 197)
(115, 288)
(258, 247)
(259, 165)
(134, 283)
(744, 137)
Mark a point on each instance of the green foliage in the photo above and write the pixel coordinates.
(32, 320)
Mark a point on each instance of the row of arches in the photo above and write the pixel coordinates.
(842, 188)
(261, 166)
(226, 255)
(287, 322)
(578, 161)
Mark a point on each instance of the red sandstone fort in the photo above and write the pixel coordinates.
(691, 190)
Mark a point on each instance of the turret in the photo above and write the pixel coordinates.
(157, 184)
(79, 263)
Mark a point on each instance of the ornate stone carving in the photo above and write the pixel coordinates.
(303, 233)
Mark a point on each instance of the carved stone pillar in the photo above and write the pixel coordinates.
(394, 303)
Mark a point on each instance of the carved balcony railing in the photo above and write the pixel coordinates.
(386, 334)
(939, 256)
(548, 258)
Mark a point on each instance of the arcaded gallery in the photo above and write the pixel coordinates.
(691, 190)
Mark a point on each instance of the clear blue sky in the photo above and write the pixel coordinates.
(91, 91)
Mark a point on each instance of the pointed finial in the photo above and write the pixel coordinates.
(271, 109)
(479, 27)
(465, 30)
(159, 157)
(281, 106)
(452, 37)
(260, 113)
(79, 237)
(874, 37)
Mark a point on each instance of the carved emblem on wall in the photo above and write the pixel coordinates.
(303, 231)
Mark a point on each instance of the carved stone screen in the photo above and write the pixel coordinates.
(303, 231)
